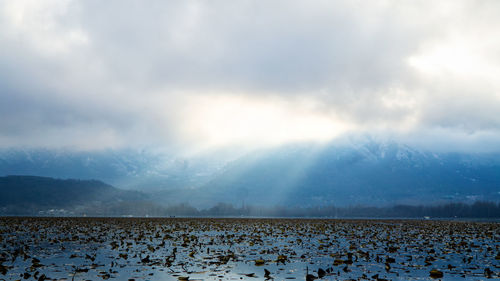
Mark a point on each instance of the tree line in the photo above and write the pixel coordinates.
(479, 209)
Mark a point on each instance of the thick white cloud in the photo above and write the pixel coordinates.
(93, 74)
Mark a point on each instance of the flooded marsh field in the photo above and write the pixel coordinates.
(246, 249)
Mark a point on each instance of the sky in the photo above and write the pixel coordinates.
(197, 75)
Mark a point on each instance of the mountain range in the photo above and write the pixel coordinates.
(31, 194)
(350, 173)
(367, 174)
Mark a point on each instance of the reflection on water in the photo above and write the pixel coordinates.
(245, 249)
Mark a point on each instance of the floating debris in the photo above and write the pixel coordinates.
(436, 273)
(212, 249)
(260, 262)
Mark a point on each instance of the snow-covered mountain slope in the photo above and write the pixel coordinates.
(131, 169)
(369, 173)
(355, 172)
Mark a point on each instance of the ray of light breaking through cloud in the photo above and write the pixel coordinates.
(194, 75)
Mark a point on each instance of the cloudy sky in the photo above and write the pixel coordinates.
(201, 74)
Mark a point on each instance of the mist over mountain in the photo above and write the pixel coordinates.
(126, 168)
(368, 173)
(311, 104)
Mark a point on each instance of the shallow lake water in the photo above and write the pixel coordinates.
(246, 249)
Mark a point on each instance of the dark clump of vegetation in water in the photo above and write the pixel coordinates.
(249, 249)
